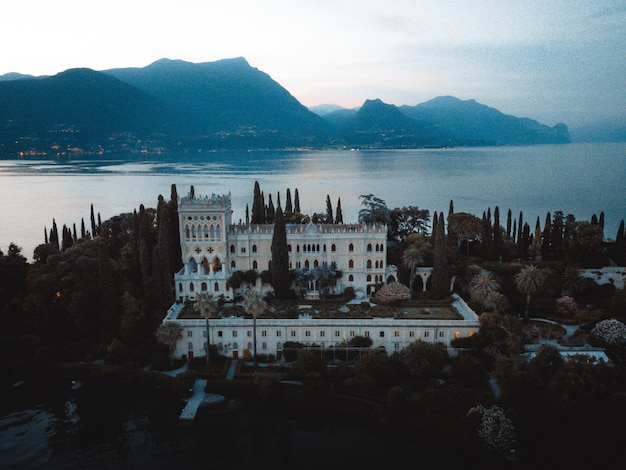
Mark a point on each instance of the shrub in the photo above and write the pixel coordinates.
(393, 292)
(566, 306)
(610, 331)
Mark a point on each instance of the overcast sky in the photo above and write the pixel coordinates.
(553, 61)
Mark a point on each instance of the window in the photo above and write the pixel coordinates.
(350, 247)
(350, 278)
(233, 264)
(189, 333)
(369, 247)
(351, 264)
(333, 247)
(243, 249)
(369, 264)
(307, 333)
(396, 346)
(220, 333)
(352, 334)
(367, 334)
(441, 334)
(235, 345)
(191, 286)
(381, 334)
(278, 333)
(322, 333)
(411, 334)
(234, 334)
(292, 333)
(180, 287)
(248, 333)
(232, 248)
(369, 278)
(337, 333)
(263, 345)
(396, 333)
(279, 345)
(426, 334)
(264, 333)
(216, 287)
(255, 265)
(289, 248)
(249, 345)
(204, 333)
(190, 346)
(203, 287)
(253, 248)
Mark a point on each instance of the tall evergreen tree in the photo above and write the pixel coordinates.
(514, 234)
(270, 210)
(508, 224)
(497, 234)
(620, 245)
(83, 232)
(175, 250)
(520, 224)
(440, 280)
(601, 222)
(279, 269)
(451, 208)
(296, 202)
(338, 213)
(257, 205)
(247, 215)
(288, 204)
(54, 235)
(329, 210)
(45, 235)
(546, 237)
(93, 223)
(435, 223)
(487, 236)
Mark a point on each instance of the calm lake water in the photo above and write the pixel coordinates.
(578, 179)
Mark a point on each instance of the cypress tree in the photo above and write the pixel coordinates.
(74, 237)
(620, 245)
(497, 233)
(45, 235)
(508, 224)
(279, 269)
(247, 215)
(288, 204)
(329, 210)
(440, 278)
(520, 223)
(93, 223)
(296, 202)
(451, 208)
(514, 235)
(546, 247)
(54, 235)
(175, 251)
(435, 223)
(601, 223)
(83, 233)
(338, 213)
(257, 205)
(270, 210)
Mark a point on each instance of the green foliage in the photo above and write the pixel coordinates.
(279, 269)
(422, 358)
(309, 361)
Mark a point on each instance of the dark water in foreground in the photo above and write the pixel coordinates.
(49, 425)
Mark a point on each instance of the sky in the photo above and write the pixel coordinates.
(557, 61)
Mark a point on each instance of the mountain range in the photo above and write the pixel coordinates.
(173, 105)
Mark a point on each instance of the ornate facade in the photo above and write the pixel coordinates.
(213, 248)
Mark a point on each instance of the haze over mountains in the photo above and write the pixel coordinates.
(172, 105)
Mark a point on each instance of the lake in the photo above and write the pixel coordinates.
(578, 179)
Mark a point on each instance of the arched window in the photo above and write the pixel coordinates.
(193, 231)
(249, 345)
(216, 287)
(212, 232)
(369, 278)
(333, 247)
(351, 264)
(377, 248)
(324, 247)
(317, 247)
(206, 231)
(351, 278)
(216, 266)
(263, 345)
(298, 248)
(316, 264)
(306, 264)
(232, 248)
(191, 287)
(235, 346)
(289, 248)
(351, 247)
(203, 287)
(233, 265)
(255, 265)
(369, 264)
(193, 265)
(219, 232)
(253, 248)
(187, 232)
(180, 287)
(369, 247)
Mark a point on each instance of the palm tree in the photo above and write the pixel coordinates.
(483, 288)
(412, 259)
(206, 306)
(254, 304)
(571, 281)
(169, 334)
(530, 280)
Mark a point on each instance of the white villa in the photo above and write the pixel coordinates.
(213, 248)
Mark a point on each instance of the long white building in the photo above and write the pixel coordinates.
(213, 248)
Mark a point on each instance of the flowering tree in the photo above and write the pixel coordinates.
(610, 331)
(496, 430)
(566, 306)
(392, 292)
